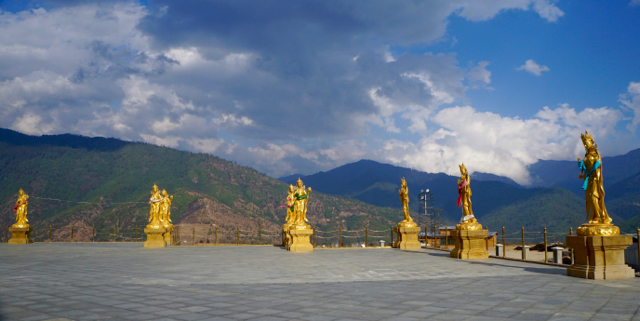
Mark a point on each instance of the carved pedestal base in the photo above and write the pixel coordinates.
(155, 237)
(469, 244)
(300, 240)
(600, 257)
(408, 238)
(167, 236)
(20, 235)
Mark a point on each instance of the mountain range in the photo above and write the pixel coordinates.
(104, 182)
(554, 200)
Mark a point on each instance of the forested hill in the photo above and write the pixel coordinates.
(116, 177)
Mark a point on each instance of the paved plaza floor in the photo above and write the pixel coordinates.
(85, 281)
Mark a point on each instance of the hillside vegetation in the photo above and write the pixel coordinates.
(107, 172)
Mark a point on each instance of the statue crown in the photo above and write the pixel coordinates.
(586, 137)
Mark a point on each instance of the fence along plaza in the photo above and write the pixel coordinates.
(597, 248)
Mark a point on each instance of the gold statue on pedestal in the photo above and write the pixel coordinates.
(21, 210)
(468, 220)
(469, 236)
(407, 229)
(296, 230)
(20, 230)
(404, 197)
(598, 246)
(159, 221)
(598, 220)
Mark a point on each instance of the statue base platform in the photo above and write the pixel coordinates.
(167, 235)
(408, 238)
(471, 225)
(470, 244)
(20, 235)
(600, 257)
(588, 229)
(300, 240)
(155, 237)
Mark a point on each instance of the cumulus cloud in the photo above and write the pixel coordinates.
(490, 143)
(532, 67)
(631, 100)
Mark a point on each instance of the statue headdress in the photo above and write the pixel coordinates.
(463, 169)
(585, 137)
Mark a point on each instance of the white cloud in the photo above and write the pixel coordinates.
(480, 73)
(533, 68)
(505, 146)
(547, 10)
(631, 100)
(634, 3)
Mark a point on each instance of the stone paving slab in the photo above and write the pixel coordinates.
(85, 281)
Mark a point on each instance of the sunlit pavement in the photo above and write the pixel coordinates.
(85, 281)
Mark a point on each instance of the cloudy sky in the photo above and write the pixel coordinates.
(301, 86)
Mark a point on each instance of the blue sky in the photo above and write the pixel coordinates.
(297, 87)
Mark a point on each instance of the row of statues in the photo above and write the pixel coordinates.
(598, 220)
(160, 211)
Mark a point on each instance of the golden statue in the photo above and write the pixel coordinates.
(300, 198)
(155, 201)
(404, 197)
(289, 220)
(165, 209)
(598, 220)
(468, 220)
(21, 210)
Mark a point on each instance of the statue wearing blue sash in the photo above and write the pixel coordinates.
(598, 220)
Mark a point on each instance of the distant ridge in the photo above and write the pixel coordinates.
(69, 140)
(499, 200)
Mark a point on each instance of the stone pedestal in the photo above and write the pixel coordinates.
(167, 236)
(155, 237)
(469, 244)
(300, 240)
(20, 235)
(408, 238)
(599, 257)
